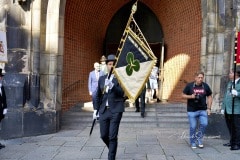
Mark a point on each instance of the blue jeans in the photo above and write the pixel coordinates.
(198, 122)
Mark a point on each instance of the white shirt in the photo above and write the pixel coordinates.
(108, 87)
(236, 80)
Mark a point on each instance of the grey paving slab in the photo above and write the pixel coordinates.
(156, 149)
(42, 152)
(16, 151)
(219, 156)
(187, 157)
(184, 151)
(156, 157)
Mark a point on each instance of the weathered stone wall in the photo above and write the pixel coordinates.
(30, 110)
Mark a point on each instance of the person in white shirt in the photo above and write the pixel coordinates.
(93, 80)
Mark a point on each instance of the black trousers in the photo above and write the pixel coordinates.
(233, 124)
(142, 96)
(109, 125)
(93, 99)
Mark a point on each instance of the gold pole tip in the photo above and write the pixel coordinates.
(134, 7)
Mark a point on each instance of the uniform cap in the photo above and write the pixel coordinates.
(103, 59)
(110, 57)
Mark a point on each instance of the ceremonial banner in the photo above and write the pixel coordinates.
(238, 48)
(134, 61)
(3, 47)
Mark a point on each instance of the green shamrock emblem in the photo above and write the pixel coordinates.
(133, 64)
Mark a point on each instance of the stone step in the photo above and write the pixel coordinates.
(159, 115)
(74, 115)
(159, 125)
(175, 125)
(136, 120)
(128, 114)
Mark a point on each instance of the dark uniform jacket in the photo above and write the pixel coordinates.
(115, 96)
(3, 103)
(228, 98)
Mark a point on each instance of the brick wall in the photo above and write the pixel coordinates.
(182, 26)
(85, 29)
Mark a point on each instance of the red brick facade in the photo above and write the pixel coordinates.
(86, 23)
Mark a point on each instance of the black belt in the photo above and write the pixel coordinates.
(107, 107)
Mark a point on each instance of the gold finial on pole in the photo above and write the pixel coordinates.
(134, 7)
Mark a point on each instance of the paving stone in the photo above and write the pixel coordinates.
(156, 157)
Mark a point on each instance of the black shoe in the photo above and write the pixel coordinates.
(142, 115)
(235, 147)
(1, 146)
(227, 144)
(158, 100)
(137, 110)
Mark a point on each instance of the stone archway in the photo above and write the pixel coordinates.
(51, 59)
(51, 76)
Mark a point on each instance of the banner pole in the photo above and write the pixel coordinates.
(161, 70)
(233, 83)
(134, 9)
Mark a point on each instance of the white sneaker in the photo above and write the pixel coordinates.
(193, 146)
(200, 146)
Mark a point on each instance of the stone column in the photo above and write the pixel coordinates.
(49, 80)
(227, 19)
(51, 72)
(213, 46)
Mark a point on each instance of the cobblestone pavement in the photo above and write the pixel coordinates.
(161, 135)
